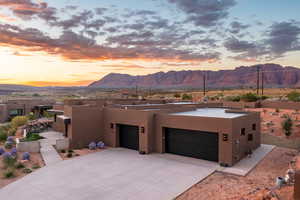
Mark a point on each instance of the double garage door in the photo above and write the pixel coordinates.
(196, 144)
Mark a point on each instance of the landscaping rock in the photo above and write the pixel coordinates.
(92, 146)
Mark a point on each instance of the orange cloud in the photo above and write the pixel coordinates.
(6, 18)
(58, 83)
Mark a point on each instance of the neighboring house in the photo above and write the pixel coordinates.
(205, 131)
(12, 108)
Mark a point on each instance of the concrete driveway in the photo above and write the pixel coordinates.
(114, 174)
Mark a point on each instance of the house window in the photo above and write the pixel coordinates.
(243, 131)
(254, 127)
(225, 137)
(111, 125)
(250, 137)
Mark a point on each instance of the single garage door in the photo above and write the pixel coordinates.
(129, 136)
(196, 144)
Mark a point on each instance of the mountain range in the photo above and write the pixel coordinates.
(274, 75)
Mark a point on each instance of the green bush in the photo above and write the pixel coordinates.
(48, 115)
(287, 126)
(9, 174)
(36, 166)
(31, 116)
(9, 161)
(8, 145)
(32, 137)
(233, 98)
(70, 151)
(26, 171)
(187, 97)
(63, 151)
(293, 96)
(249, 97)
(19, 121)
(12, 131)
(19, 165)
(3, 135)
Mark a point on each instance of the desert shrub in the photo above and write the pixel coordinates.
(3, 136)
(287, 126)
(19, 121)
(177, 95)
(264, 97)
(9, 174)
(186, 97)
(63, 151)
(277, 110)
(19, 165)
(31, 116)
(12, 131)
(26, 156)
(92, 146)
(48, 115)
(76, 154)
(69, 155)
(293, 96)
(8, 145)
(70, 151)
(249, 97)
(26, 171)
(36, 166)
(8, 160)
(233, 98)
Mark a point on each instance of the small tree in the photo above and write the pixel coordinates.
(287, 126)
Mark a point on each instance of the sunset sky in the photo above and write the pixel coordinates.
(75, 42)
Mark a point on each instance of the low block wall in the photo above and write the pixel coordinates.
(241, 104)
(31, 147)
(281, 142)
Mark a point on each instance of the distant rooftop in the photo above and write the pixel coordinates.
(210, 112)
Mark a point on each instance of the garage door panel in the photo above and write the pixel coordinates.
(129, 136)
(197, 144)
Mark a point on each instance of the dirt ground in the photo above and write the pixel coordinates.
(35, 159)
(78, 152)
(275, 128)
(223, 186)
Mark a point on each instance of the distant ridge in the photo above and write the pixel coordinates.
(245, 76)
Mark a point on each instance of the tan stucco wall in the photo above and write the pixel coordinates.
(86, 125)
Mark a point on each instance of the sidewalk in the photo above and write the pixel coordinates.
(48, 152)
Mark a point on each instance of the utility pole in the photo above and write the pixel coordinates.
(136, 90)
(257, 83)
(262, 83)
(204, 84)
